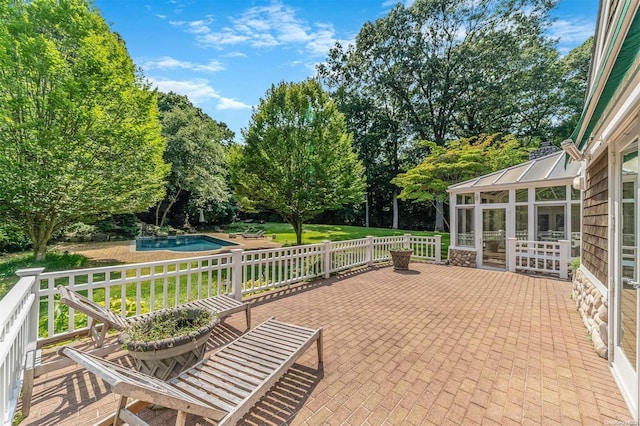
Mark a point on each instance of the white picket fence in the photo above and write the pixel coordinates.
(19, 319)
(146, 287)
(546, 257)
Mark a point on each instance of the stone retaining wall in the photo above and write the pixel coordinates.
(466, 258)
(594, 309)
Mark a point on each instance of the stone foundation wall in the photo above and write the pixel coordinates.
(594, 309)
(465, 258)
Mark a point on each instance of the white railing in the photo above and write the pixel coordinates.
(134, 289)
(265, 269)
(547, 257)
(426, 247)
(19, 322)
(351, 253)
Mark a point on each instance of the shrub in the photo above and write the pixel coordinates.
(12, 238)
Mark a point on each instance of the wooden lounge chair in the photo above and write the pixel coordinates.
(248, 234)
(222, 387)
(223, 305)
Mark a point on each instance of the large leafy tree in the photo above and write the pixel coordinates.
(196, 152)
(79, 132)
(297, 159)
(444, 69)
(572, 90)
(458, 161)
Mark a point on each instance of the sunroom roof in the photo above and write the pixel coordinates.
(543, 169)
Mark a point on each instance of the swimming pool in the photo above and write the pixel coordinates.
(181, 243)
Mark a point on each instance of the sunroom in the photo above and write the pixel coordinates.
(532, 207)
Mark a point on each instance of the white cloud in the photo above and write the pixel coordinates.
(228, 103)
(571, 32)
(167, 62)
(322, 40)
(235, 55)
(263, 27)
(389, 3)
(226, 36)
(162, 16)
(198, 91)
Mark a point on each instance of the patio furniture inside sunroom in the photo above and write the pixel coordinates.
(533, 206)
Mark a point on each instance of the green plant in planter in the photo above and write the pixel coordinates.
(574, 264)
(167, 328)
(399, 248)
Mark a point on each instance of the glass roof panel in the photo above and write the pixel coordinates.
(487, 180)
(512, 175)
(549, 167)
(540, 168)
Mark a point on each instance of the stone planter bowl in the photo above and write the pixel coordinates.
(166, 358)
(400, 258)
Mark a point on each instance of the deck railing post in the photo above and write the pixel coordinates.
(438, 249)
(326, 263)
(565, 255)
(511, 253)
(236, 276)
(369, 250)
(406, 242)
(35, 308)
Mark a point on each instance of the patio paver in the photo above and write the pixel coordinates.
(433, 345)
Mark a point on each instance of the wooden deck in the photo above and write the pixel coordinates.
(432, 345)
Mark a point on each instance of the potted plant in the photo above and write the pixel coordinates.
(167, 342)
(400, 257)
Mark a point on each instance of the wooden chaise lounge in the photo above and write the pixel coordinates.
(223, 305)
(222, 388)
(247, 234)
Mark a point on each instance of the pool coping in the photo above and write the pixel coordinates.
(133, 246)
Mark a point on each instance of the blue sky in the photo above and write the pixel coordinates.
(225, 54)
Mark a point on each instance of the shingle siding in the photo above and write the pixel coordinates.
(594, 225)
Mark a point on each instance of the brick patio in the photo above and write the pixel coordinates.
(434, 345)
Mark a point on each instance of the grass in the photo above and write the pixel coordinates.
(56, 261)
(313, 234)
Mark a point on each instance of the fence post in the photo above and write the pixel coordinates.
(326, 263)
(511, 253)
(369, 250)
(406, 242)
(565, 255)
(438, 249)
(35, 308)
(236, 275)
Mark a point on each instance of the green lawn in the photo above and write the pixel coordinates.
(312, 234)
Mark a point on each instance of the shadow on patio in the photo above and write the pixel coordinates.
(439, 344)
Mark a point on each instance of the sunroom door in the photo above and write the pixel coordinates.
(494, 240)
(627, 294)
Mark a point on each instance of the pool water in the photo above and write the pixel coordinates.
(181, 243)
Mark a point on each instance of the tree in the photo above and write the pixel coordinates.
(297, 159)
(195, 150)
(573, 87)
(79, 128)
(458, 161)
(444, 69)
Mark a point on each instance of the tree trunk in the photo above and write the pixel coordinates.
(40, 249)
(158, 213)
(172, 200)
(395, 209)
(296, 222)
(39, 232)
(366, 211)
(439, 216)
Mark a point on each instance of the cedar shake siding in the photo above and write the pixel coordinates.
(594, 227)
